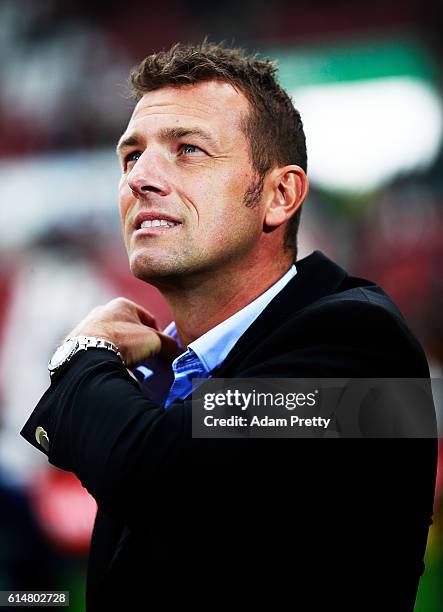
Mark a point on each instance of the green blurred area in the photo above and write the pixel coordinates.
(430, 591)
(354, 61)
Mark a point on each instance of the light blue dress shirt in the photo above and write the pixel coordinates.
(210, 350)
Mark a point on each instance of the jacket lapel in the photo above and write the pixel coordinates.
(317, 276)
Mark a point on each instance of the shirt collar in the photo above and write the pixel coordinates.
(213, 346)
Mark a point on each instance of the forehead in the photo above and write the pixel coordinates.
(215, 104)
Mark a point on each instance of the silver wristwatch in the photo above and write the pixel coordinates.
(71, 346)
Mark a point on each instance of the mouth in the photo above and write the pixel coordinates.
(154, 223)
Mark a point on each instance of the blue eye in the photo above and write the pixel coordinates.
(190, 149)
(134, 156)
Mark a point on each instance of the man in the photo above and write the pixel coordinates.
(213, 179)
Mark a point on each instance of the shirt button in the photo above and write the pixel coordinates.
(42, 438)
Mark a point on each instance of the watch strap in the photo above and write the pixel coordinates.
(87, 342)
(81, 343)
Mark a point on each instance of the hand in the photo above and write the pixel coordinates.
(131, 328)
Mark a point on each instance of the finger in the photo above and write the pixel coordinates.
(145, 316)
(139, 345)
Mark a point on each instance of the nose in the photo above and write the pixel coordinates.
(147, 176)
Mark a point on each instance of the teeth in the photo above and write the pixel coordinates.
(157, 223)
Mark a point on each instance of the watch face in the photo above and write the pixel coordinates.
(62, 354)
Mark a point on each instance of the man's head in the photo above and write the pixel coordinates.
(235, 101)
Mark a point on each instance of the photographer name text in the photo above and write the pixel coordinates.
(265, 421)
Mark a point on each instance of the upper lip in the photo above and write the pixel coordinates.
(150, 216)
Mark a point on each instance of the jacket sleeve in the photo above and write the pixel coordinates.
(103, 429)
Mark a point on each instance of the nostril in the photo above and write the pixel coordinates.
(151, 188)
(140, 187)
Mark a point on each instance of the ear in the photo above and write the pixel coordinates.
(289, 187)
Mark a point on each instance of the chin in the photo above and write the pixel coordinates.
(149, 270)
(143, 272)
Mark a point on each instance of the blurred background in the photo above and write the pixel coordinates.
(367, 79)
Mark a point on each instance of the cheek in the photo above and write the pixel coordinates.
(125, 198)
(237, 184)
(228, 198)
(226, 189)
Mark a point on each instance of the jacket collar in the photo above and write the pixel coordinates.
(317, 276)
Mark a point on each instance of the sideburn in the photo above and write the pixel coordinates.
(253, 192)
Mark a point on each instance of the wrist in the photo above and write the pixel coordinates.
(73, 345)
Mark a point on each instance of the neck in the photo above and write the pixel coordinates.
(200, 305)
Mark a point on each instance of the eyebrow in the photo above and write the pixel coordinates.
(125, 142)
(169, 134)
(175, 133)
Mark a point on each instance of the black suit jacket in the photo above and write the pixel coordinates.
(228, 522)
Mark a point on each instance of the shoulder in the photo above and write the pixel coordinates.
(363, 326)
(365, 309)
(357, 331)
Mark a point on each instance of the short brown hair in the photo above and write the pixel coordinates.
(273, 127)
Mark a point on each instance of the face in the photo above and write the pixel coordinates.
(185, 172)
